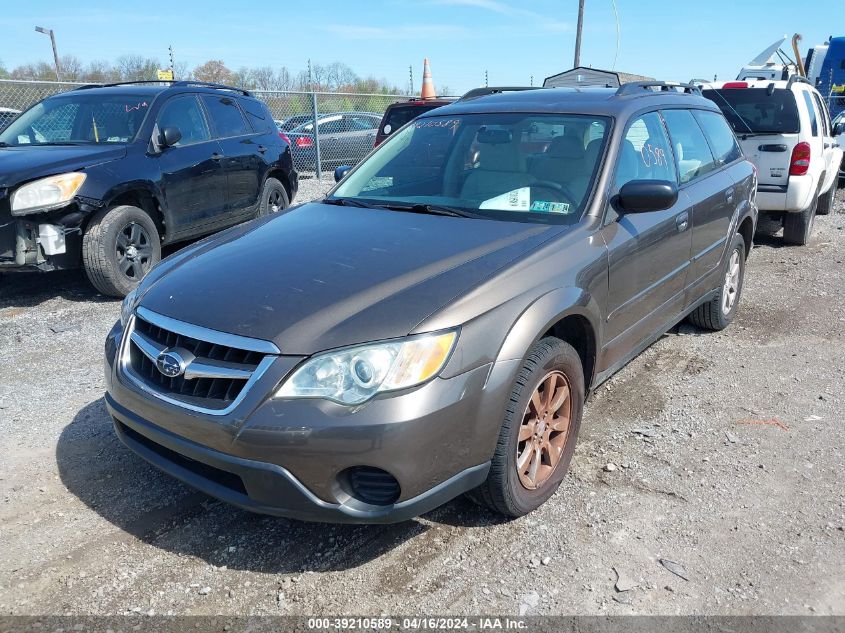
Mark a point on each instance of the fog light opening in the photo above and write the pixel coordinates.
(370, 485)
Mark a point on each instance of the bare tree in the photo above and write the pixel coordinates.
(137, 68)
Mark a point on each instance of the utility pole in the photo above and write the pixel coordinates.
(52, 35)
(486, 84)
(578, 34)
(411, 76)
(172, 70)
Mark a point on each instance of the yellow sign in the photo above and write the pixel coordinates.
(165, 75)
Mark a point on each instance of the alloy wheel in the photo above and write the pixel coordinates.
(731, 287)
(544, 430)
(274, 201)
(134, 251)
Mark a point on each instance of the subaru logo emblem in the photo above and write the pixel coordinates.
(171, 363)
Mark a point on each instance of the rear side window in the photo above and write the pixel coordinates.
(811, 111)
(823, 114)
(226, 116)
(755, 110)
(185, 113)
(719, 135)
(645, 153)
(692, 152)
(259, 117)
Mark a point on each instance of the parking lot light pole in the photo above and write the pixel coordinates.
(52, 35)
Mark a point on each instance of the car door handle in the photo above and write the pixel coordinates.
(729, 195)
(261, 149)
(682, 222)
(216, 156)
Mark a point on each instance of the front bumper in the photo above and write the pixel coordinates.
(288, 458)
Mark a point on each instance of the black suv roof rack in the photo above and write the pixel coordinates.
(492, 90)
(176, 84)
(638, 87)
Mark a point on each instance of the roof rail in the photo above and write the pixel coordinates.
(491, 90)
(635, 87)
(797, 79)
(173, 83)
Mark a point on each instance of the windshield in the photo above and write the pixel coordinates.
(79, 118)
(529, 167)
(757, 110)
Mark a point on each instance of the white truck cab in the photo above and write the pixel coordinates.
(784, 129)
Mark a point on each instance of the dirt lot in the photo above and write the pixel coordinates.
(720, 452)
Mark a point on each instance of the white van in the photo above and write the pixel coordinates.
(784, 129)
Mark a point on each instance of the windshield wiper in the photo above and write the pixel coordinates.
(431, 209)
(348, 202)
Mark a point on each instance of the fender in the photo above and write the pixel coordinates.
(540, 316)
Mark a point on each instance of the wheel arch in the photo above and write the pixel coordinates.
(746, 229)
(570, 314)
(142, 197)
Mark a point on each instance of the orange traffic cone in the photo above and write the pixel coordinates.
(428, 83)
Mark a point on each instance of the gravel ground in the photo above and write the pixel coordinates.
(708, 479)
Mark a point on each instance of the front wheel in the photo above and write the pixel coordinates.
(539, 431)
(119, 247)
(718, 313)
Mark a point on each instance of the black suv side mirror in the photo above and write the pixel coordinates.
(640, 196)
(170, 136)
(340, 172)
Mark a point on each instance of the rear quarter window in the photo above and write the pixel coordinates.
(719, 135)
(258, 116)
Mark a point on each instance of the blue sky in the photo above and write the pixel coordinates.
(512, 40)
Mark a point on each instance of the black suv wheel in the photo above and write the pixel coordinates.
(119, 247)
(274, 198)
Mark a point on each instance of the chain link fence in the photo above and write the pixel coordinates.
(326, 129)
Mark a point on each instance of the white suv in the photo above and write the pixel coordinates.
(784, 129)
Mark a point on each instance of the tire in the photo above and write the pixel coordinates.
(274, 198)
(825, 204)
(717, 314)
(504, 490)
(111, 266)
(797, 227)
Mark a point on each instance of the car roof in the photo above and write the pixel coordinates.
(154, 88)
(599, 101)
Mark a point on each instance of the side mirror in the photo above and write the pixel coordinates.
(340, 172)
(170, 136)
(839, 128)
(641, 196)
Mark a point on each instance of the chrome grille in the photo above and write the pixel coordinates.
(217, 367)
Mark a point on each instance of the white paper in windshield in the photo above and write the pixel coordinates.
(516, 200)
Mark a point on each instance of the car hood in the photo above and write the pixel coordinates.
(323, 276)
(28, 162)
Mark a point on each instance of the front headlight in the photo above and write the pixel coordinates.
(48, 193)
(127, 307)
(356, 374)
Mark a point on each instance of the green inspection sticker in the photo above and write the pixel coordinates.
(550, 207)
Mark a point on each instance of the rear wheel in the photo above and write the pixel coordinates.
(826, 201)
(274, 198)
(797, 227)
(119, 247)
(718, 313)
(538, 434)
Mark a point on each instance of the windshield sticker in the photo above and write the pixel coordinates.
(516, 200)
(138, 106)
(550, 207)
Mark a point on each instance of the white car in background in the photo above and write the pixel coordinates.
(784, 129)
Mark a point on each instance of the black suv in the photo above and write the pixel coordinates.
(434, 324)
(104, 175)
